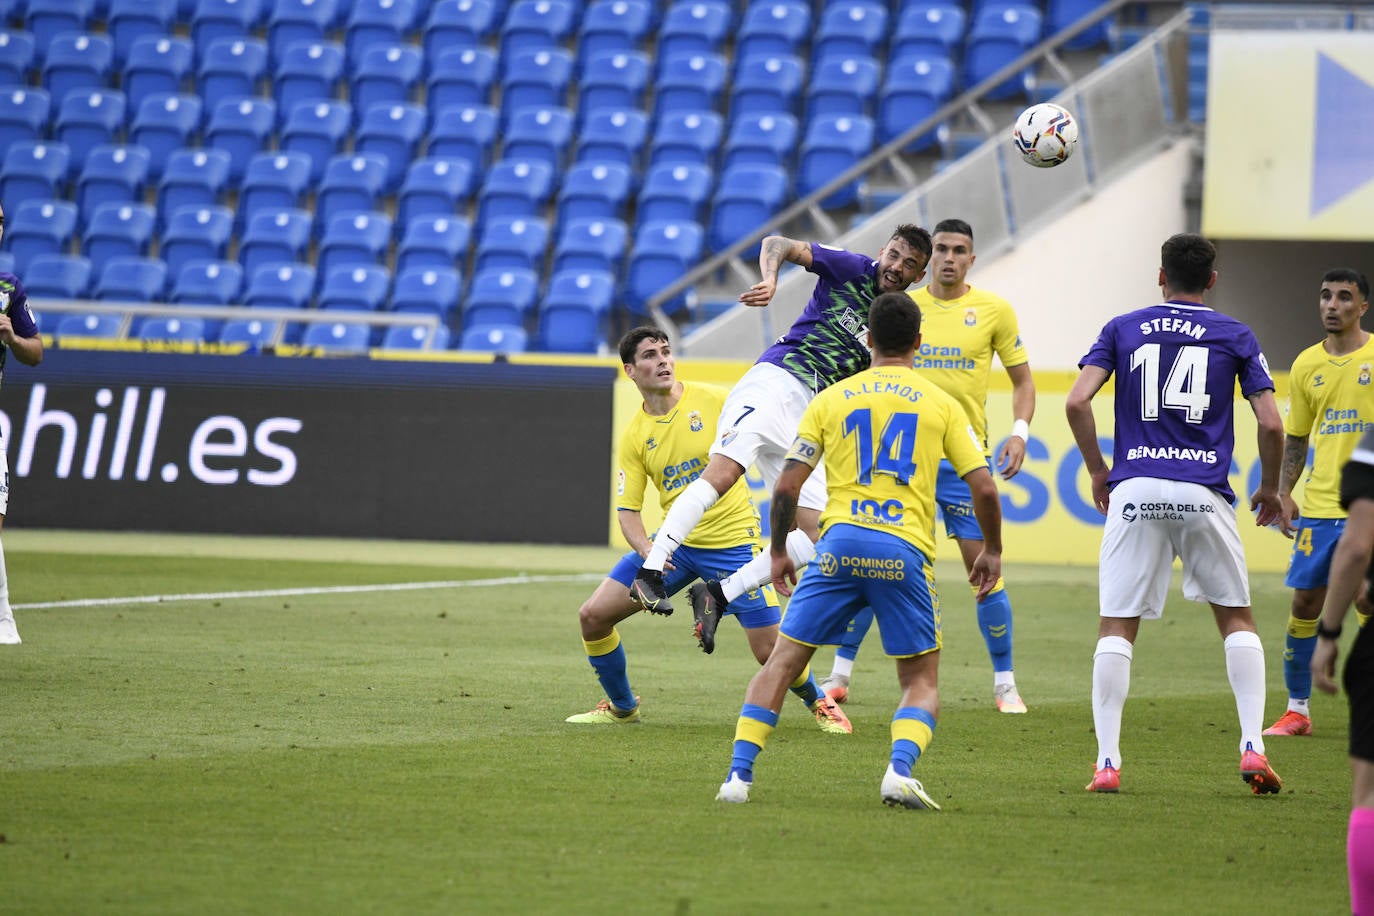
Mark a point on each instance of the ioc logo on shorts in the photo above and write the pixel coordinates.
(829, 565)
(1128, 512)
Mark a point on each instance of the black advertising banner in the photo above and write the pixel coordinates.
(332, 447)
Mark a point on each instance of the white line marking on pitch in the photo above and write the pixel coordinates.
(328, 590)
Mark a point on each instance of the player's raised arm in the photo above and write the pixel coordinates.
(773, 251)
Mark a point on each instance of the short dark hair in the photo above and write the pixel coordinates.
(916, 237)
(894, 323)
(1188, 260)
(634, 337)
(957, 226)
(1348, 275)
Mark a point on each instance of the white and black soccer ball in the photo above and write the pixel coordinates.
(1045, 135)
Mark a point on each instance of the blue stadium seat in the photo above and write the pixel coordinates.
(841, 85)
(377, 22)
(595, 190)
(58, 276)
(318, 130)
(231, 68)
(164, 123)
(502, 295)
(459, 77)
(913, 90)
(354, 238)
(614, 26)
(694, 27)
(612, 80)
(773, 28)
(351, 181)
(746, 198)
(102, 326)
(574, 313)
(998, 36)
(76, 61)
(23, 115)
(538, 77)
(354, 287)
(433, 241)
(434, 187)
(590, 243)
(129, 20)
(612, 136)
(686, 136)
(336, 336)
(392, 132)
(539, 134)
(428, 290)
(929, 28)
(458, 24)
(292, 21)
(39, 227)
(514, 189)
(193, 178)
(386, 75)
(156, 63)
(534, 24)
(401, 337)
(494, 338)
(87, 119)
(46, 19)
(1060, 14)
(766, 85)
(662, 252)
(242, 127)
(189, 329)
(118, 231)
(281, 285)
(306, 71)
(6, 262)
(689, 82)
(203, 282)
(274, 236)
(34, 170)
(132, 280)
(833, 144)
(675, 191)
(855, 28)
(112, 174)
(254, 332)
(509, 242)
(272, 181)
(218, 20)
(16, 57)
(196, 232)
(466, 133)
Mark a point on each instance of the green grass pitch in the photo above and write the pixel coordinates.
(405, 752)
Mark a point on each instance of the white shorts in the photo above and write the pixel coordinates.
(1152, 521)
(759, 422)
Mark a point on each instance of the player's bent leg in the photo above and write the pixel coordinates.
(708, 606)
(1299, 643)
(913, 728)
(597, 617)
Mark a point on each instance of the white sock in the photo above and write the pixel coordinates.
(759, 571)
(1111, 683)
(1302, 707)
(1245, 669)
(690, 505)
(999, 678)
(843, 667)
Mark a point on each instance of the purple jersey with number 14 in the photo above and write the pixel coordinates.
(1177, 364)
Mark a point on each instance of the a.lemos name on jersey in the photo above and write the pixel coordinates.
(931, 357)
(1335, 422)
(1185, 326)
(1172, 453)
(902, 391)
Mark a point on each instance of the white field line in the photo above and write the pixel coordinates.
(327, 590)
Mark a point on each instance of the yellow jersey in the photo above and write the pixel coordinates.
(958, 338)
(881, 434)
(1331, 401)
(669, 452)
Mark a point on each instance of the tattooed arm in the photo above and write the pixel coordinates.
(774, 250)
(1294, 461)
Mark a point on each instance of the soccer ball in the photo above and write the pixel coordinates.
(1045, 135)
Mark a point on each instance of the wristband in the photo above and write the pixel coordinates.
(1021, 429)
(1324, 633)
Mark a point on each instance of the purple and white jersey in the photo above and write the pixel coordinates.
(15, 303)
(1177, 364)
(826, 342)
